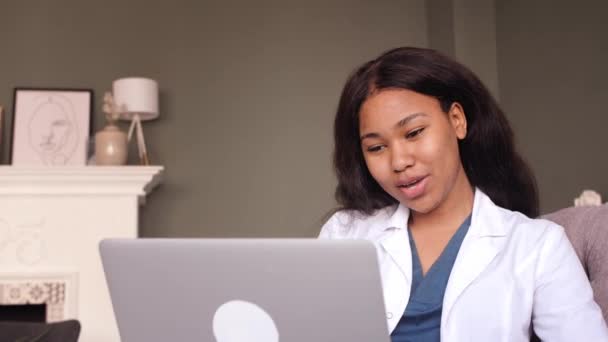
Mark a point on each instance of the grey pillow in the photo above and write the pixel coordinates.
(587, 229)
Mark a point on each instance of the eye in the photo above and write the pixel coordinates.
(375, 148)
(414, 133)
(59, 123)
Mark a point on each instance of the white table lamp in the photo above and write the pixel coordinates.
(137, 100)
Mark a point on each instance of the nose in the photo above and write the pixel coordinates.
(401, 158)
(48, 137)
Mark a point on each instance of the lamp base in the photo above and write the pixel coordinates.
(143, 159)
(141, 142)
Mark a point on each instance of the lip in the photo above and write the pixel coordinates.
(415, 191)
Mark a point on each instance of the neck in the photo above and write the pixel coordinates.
(451, 212)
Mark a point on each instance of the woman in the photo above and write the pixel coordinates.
(428, 172)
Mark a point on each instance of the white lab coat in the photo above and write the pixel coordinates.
(511, 272)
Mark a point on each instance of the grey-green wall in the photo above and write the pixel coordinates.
(545, 60)
(553, 67)
(248, 93)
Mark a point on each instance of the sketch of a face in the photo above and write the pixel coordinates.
(50, 131)
(57, 127)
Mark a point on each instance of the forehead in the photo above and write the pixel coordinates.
(391, 105)
(49, 110)
(398, 99)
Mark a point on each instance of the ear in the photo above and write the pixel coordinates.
(458, 120)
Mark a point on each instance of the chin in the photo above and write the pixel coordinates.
(421, 210)
(421, 205)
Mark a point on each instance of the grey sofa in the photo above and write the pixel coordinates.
(587, 229)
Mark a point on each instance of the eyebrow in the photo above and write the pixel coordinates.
(409, 118)
(400, 123)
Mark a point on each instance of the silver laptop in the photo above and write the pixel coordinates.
(245, 290)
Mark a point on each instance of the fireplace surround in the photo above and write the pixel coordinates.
(51, 222)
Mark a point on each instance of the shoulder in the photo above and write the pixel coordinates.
(521, 226)
(493, 220)
(352, 224)
(535, 237)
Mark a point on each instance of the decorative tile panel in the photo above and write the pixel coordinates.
(51, 292)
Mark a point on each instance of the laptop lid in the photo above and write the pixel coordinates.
(245, 290)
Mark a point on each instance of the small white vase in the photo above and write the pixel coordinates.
(111, 146)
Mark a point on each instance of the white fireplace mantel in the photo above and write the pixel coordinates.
(89, 180)
(51, 222)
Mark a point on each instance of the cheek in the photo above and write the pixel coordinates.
(432, 151)
(441, 153)
(377, 168)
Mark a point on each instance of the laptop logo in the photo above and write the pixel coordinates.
(241, 321)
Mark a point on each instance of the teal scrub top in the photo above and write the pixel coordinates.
(421, 320)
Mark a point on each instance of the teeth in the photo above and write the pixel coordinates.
(409, 185)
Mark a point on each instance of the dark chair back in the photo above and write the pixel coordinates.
(65, 331)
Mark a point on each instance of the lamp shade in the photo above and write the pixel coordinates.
(136, 95)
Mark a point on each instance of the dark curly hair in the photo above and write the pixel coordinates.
(487, 153)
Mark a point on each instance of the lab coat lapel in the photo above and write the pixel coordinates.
(396, 242)
(396, 267)
(484, 240)
(397, 246)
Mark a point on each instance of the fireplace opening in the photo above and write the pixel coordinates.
(41, 298)
(23, 313)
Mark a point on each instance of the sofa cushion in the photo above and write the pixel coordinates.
(587, 229)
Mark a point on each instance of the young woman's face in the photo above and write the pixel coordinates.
(410, 147)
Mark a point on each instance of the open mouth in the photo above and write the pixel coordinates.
(414, 187)
(411, 184)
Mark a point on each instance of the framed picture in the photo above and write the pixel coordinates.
(51, 127)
